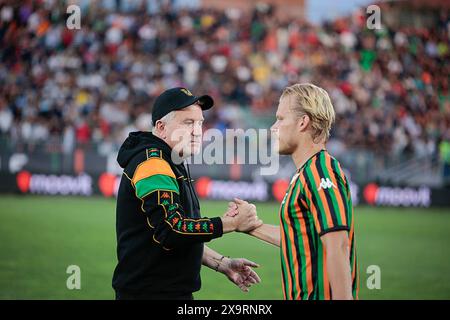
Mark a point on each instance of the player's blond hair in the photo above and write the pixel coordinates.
(316, 104)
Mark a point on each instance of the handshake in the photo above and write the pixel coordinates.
(242, 216)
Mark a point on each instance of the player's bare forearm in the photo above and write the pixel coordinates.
(338, 265)
(268, 233)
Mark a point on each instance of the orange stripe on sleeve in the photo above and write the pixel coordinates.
(322, 196)
(313, 208)
(152, 167)
(338, 197)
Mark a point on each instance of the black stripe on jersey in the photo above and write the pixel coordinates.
(311, 202)
(327, 194)
(344, 188)
(297, 247)
(288, 279)
(312, 246)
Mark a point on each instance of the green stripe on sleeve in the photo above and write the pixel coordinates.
(345, 191)
(154, 183)
(315, 199)
(331, 192)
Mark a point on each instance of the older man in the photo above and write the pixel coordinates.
(160, 232)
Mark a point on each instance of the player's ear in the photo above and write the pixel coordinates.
(302, 122)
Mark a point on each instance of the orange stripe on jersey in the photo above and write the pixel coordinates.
(338, 197)
(283, 287)
(292, 237)
(313, 209)
(350, 241)
(304, 235)
(327, 209)
(286, 260)
(284, 256)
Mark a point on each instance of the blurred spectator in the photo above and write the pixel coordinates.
(390, 87)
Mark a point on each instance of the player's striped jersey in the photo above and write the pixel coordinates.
(317, 201)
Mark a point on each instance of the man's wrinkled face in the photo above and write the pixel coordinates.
(285, 127)
(184, 132)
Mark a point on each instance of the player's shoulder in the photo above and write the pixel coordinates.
(321, 159)
(321, 166)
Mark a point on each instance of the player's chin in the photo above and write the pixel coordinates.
(279, 148)
(283, 150)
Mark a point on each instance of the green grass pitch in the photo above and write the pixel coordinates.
(41, 236)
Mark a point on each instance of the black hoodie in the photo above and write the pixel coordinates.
(160, 233)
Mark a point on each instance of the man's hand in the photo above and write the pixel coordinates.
(265, 232)
(239, 272)
(240, 216)
(246, 219)
(232, 210)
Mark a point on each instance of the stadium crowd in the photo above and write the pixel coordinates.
(390, 87)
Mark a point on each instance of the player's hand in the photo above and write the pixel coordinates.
(240, 272)
(246, 219)
(232, 210)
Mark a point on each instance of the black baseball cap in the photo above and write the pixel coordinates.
(176, 99)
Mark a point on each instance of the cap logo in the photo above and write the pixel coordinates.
(186, 92)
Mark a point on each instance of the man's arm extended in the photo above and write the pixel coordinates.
(238, 270)
(337, 257)
(268, 233)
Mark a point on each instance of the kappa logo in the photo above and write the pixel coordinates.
(186, 92)
(326, 184)
(165, 195)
